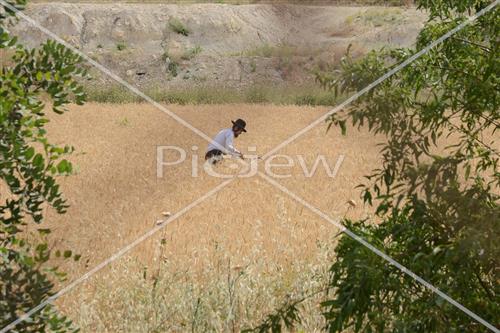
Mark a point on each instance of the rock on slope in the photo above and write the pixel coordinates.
(224, 44)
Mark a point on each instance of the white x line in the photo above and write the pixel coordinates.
(267, 178)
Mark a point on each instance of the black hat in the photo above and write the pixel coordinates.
(240, 123)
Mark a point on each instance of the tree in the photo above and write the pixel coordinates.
(437, 206)
(29, 167)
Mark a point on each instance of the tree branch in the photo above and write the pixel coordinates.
(481, 282)
(482, 47)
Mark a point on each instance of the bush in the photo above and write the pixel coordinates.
(178, 27)
(29, 168)
(121, 46)
(173, 68)
(191, 53)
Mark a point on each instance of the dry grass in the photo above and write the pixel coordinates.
(211, 94)
(226, 293)
(376, 17)
(249, 227)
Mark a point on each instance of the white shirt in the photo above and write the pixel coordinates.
(224, 139)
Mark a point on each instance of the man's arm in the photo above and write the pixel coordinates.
(230, 147)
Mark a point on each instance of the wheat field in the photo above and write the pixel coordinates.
(225, 263)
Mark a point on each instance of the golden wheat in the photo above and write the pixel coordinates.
(248, 227)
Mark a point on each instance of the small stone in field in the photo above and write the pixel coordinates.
(167, 214)
(158, 222)
(352, 203)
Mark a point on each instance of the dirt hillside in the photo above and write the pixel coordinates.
(183, 45)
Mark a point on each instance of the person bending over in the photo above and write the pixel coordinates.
(222, 144)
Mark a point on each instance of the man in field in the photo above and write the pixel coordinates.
(223, 142)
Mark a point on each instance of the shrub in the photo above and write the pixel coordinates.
(253, 66)
(173, 68)
(191, 53)
(178, 27)
(29, 169)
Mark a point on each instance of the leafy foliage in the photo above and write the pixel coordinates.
(29, 166)
(437, 206)
(286, 316)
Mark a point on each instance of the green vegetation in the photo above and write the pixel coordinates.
(306, 95)
(269, 51)
(121, 46)
(29, 168)
(437, 207)
(191, 53)
(165, 56)
(123, 122)
(377, 17)
(172, 64)
(178, 27)
(253, 66)
(173, 68)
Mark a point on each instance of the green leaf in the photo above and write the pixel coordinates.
(367, 197)
(44, 232)
(342, 125)
(38, 161)
(467, 171)
(29, 153)
(64, 167)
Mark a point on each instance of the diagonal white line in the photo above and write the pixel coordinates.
(115, 256)
(378, 252)
(381, 79)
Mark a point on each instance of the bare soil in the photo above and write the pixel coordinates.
(225, 44)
